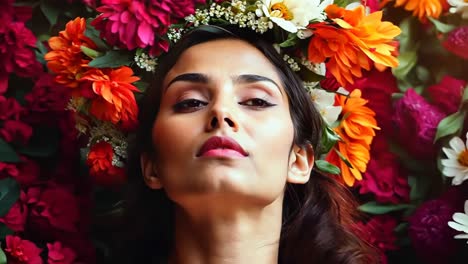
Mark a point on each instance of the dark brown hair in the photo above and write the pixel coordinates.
(317, 216)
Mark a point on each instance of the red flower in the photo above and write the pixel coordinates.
(11, 129)
(384, 177)
(25, 173)
(15, 219)
(21, 251)
(59, 254)
(430, 235)
(17, 52)
(100, 164)
(379, 231)
(457, 42)
(9, 109)
(46, 96)
(416, 123)
(58, 206)
(447, 94)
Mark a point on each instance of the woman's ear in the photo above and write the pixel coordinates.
(301, 162)
(148, 170)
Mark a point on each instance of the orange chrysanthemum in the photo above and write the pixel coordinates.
(420, 8)
(349, 47)
(66, 58)
(100, 165)
(357, 130)
(115, 101)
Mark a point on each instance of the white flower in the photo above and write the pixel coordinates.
(460, 223)
(292, 15)
(324, 101)
(456, 164)
(459, 6)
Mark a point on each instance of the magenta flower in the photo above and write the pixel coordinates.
(21, 251)
(17, 53)
(59, 254)
(457, 42)
(447, 94)
(128, 24)
(385, 178)
(15, 219)
(416, 122)
(430, 235)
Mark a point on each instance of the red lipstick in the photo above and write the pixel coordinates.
(221, 147)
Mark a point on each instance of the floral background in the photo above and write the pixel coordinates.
(61, 171)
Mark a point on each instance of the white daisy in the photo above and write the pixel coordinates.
(456, 164)
(460, 223)
(459, 6)
(292, 15)
(324, 101)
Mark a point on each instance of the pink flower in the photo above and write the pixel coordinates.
(378, 87)
(59, 207)
(128, 24)
(17, 52)
(15, 219)
(9, 109)
(59, 254)
(384, 177)
(430, 235)
(21, 251)
(447, 94)
(457, 42)
(8, 170)
(416, 123)
(25, 173)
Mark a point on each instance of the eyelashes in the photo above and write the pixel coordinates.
(192, 105)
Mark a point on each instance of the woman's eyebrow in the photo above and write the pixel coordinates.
(190, 77)
(253, 78)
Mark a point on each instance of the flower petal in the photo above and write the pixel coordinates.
(457, 144)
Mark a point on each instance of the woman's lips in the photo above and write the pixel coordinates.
(221, 147)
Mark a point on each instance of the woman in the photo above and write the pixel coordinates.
(225, 148)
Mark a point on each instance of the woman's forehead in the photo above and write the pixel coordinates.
(223, 58)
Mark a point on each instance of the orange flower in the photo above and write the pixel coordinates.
(357, 132)
(349, 47)
(115, 101)
(66, 58)
(100, 165)
(420, 8)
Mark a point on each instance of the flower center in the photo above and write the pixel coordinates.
(463, 158)
(280, 10)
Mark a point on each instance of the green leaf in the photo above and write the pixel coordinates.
(310, 76)
(50, 11)
(44, 142)
(407, 61)
(343, 158)
(111, 59)
(90, 52)
(419, 187)
(5, 231)
(291, 41)
(375, 208)
(342, 3)
(327, 167)
(401, 228)
(441, 27)
(93, 34)
(3, 259)
(7, 153)
(450, 125)
(9, 194)
(328, 140)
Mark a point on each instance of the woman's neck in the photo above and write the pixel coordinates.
(227, 234)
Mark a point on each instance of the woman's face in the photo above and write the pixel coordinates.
(228, 89)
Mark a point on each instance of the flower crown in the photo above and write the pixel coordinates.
(318, 39)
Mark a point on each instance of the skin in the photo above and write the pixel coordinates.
(228, 209)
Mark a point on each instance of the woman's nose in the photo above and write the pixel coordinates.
(222, 116)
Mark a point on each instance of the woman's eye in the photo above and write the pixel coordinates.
(189, 105)
(257, 102)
